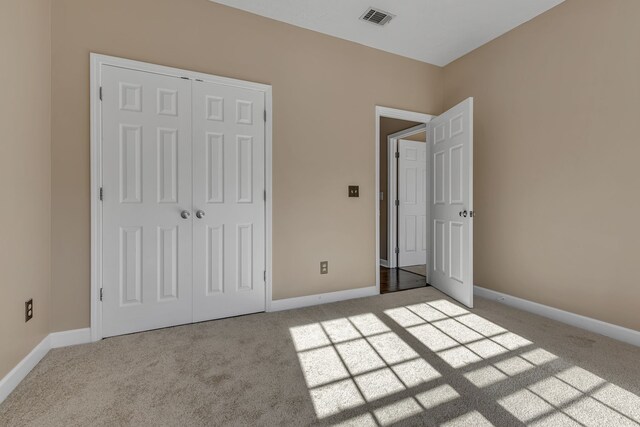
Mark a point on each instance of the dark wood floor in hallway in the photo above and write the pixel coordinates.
(394, 279)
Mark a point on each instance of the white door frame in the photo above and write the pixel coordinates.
(97, 61)
(392, 178)
(391, 113)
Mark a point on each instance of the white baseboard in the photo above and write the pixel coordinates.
(299, 302)
(593, 325)
(384, 263)
(53, 340)
(67, 338)
(17, 374)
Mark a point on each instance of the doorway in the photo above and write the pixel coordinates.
(402, 227)
(444, 222)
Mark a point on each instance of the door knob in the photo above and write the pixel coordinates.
(463, 213)
(200, 214)
(185, 214)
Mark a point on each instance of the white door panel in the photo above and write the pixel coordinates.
(412, 198)
(228, 187)
(146, 145)
(172, 146)
(451, 269)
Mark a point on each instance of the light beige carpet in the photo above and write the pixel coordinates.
(407, 358)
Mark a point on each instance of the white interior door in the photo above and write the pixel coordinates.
(146, 151)
(412, 203)
(451, 269)
(229, 201)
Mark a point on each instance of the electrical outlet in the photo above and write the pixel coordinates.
(354, 191)
(28, 310)
(324, 267)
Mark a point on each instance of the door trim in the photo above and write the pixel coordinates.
(392, 147)
(391, 113)
(96, 63)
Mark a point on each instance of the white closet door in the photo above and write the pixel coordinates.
(412, 207)
(146, 149)
(451, 269)
(228, 192)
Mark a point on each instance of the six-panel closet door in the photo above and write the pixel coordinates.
(146, 175)
(183, 209)
(228, 200)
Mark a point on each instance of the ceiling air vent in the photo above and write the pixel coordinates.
(377, 16)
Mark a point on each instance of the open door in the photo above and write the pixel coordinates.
(451, 207)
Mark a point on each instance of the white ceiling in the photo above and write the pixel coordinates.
(433, 31)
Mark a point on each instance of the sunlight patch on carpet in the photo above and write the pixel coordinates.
(359, 364)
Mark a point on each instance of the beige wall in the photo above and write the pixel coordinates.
(25, 170)
(387, 127)
(556, 158)
(324, 130)
(419, 137)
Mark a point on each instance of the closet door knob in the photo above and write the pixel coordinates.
(185, 214)
(200, 214)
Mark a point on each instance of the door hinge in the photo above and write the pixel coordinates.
(265, 115)
(265, 195)
(397, 155)
(100, 294)
(100, 93)
(397, 250)
(397, 202)
(101, 194)
(265, 275)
